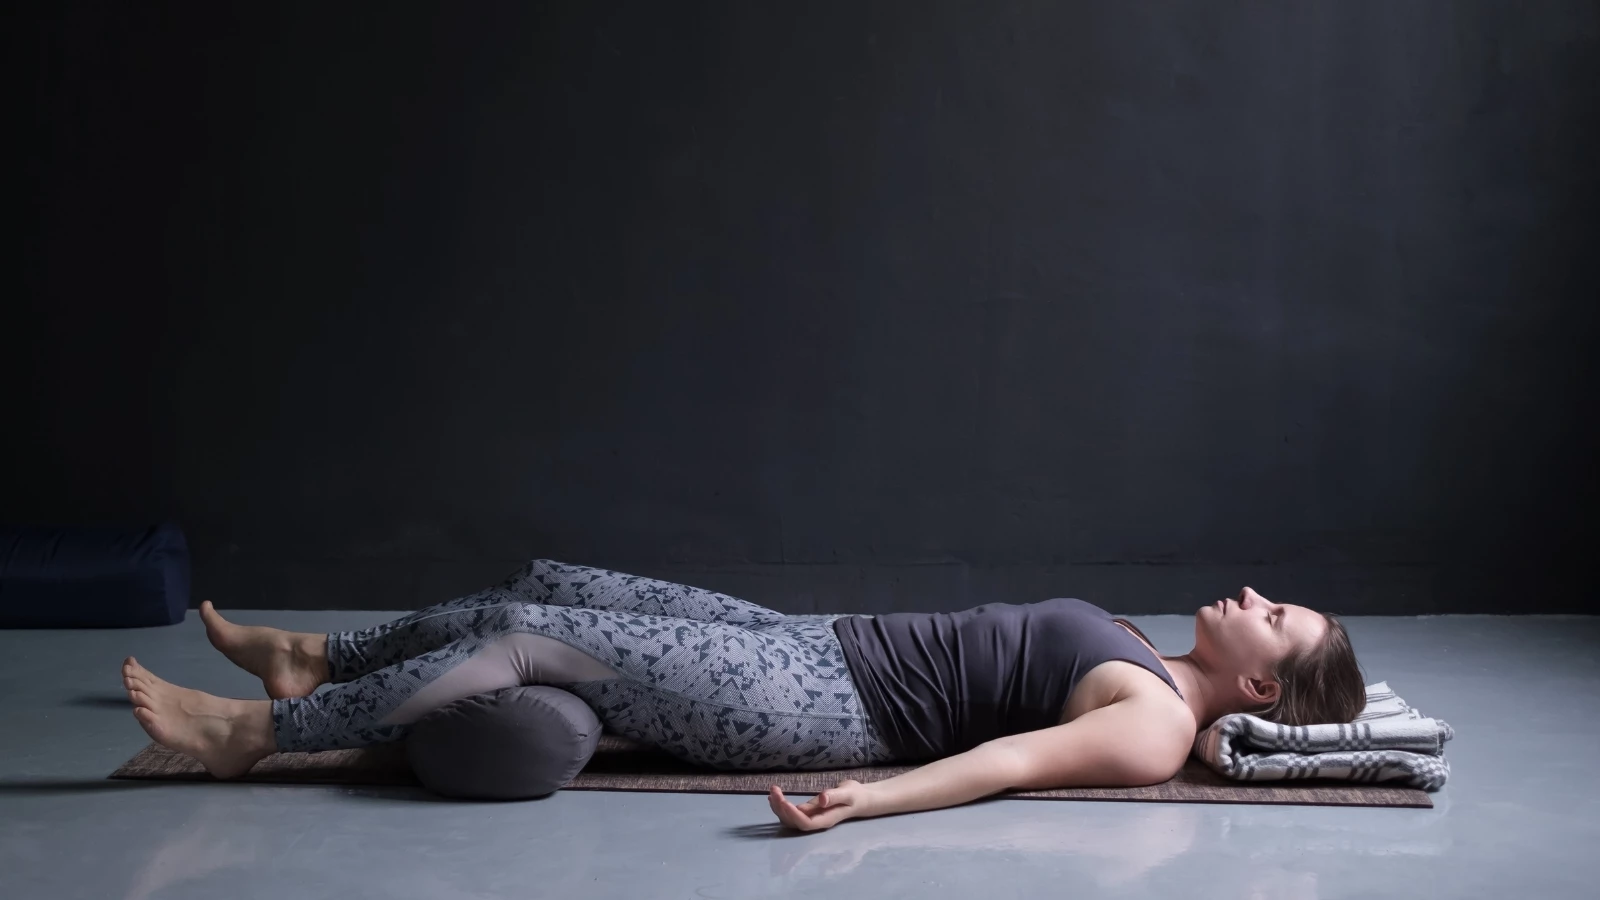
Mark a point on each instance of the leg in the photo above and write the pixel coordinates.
(230, 736)
(293, 663)
(707, 692)
(351, 654)
(780, 697)
(492, 650)
(554, 583)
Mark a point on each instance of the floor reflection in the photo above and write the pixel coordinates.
(211, 840)
(1247, 852)
(1123, 849)
(1118, 851)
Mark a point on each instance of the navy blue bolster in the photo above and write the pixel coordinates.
(93, 576)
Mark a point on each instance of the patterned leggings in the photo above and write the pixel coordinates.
(711, 679)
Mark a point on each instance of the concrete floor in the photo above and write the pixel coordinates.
(1519, 818)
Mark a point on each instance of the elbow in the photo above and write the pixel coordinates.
(1006, 768)
(1149, 773)
(1155, 766)
(1020, 772)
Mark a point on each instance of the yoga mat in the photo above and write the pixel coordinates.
(620, 764)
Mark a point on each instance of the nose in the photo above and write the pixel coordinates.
(1249, 599)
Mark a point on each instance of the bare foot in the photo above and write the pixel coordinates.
(228, 737)
(289, 663)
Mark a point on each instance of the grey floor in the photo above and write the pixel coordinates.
(1519, 817)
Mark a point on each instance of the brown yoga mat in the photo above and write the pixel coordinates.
(623, 765)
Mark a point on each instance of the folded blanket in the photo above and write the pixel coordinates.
(1388, 741)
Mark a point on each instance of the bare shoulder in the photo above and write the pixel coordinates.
(1115, 681)
(1124, 726)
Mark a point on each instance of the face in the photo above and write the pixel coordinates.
(1245, 636)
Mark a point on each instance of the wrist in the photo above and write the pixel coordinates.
(869, 801)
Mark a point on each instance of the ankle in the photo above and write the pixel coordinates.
(312, 650)
(254, 721)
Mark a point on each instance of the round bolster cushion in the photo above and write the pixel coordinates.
(512, 744)
(93, 576)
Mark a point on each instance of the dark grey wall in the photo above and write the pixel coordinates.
(837, 307)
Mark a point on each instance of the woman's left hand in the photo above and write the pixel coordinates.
(825, 810)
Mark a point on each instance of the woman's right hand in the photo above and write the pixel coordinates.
(846, 800)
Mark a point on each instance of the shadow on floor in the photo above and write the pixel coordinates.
(46, 787)
(99, 701)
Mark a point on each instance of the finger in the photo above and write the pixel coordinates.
(831, 817)
(780, 807)
(831, 799)
(789, 815)
(805, 820)
(795, 819)
(786, 813)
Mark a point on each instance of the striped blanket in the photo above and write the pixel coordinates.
(1389, 741)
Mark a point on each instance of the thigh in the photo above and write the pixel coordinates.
(548, 582)
(778, 697)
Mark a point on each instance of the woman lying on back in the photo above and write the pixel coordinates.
(1002, 696)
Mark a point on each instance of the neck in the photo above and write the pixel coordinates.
(1199, 688)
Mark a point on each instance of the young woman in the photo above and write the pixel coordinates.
(1049, 694)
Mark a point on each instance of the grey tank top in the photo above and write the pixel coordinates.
(937, 684)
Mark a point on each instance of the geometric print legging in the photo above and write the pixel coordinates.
(708, 678)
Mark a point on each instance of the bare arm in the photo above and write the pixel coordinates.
(1130, 742)
(1134, 741)
(985, 769)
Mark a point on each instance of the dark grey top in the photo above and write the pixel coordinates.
(937, 684)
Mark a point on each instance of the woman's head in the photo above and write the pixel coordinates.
(1282, 662)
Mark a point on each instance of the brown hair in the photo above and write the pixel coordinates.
(1320, 684)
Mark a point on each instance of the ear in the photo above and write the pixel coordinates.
(1258, 691)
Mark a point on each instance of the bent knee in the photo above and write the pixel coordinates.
(546, 660)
